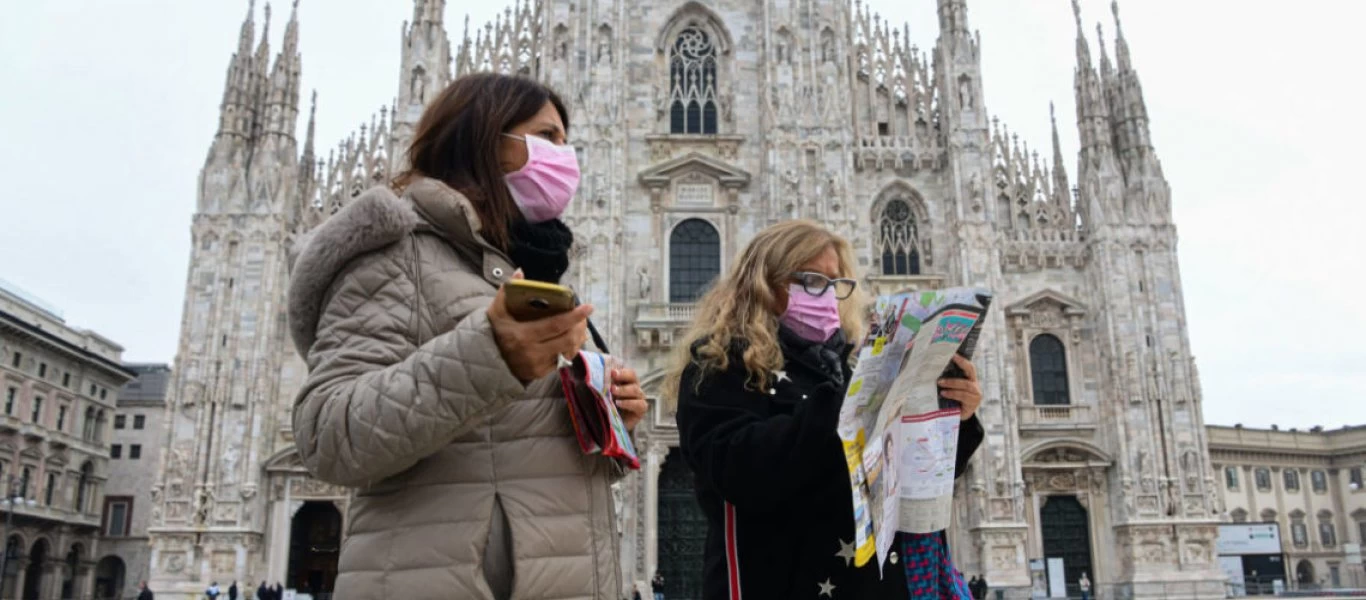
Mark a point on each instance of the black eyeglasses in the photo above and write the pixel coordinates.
(816, 284)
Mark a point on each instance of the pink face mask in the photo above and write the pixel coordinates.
(545, 185)
(815, 318)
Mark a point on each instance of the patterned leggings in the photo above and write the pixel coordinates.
(929, 568)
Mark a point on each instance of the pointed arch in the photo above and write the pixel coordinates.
(694, 14)
(696, 47)
(284, 460)
(901, 221)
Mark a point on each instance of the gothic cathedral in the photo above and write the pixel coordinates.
(698, 123)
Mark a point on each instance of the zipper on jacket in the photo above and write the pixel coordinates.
(417, 296)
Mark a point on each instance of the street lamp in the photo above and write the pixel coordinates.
(9, 503)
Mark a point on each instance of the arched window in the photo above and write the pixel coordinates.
(692, 83)
(1238, 515)
(1048, 370)
(99, 427)
(83, 490)
(694, 259)
(1268, 516)
(898, 239)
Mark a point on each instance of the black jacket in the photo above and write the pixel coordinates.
(772, 480)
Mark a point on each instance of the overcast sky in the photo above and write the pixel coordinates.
(108, 110)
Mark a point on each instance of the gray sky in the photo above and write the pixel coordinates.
(110, 108)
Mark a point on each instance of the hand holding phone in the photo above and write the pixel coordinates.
(536, 324)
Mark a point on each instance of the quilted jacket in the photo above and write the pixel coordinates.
(469, 484)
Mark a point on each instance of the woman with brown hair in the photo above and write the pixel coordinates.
(424, 394)
(758, 385)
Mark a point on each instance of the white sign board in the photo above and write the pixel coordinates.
(1057, 579)
(1353, 552)
(1241, 539)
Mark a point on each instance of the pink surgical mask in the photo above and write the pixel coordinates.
(814, 318)
(545, 185)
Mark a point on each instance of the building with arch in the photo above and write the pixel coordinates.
(59, 387)
(698, 123)
(1309, 485)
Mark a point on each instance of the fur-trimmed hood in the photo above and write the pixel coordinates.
(375, 219)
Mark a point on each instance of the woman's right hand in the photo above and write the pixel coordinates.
(532, 349)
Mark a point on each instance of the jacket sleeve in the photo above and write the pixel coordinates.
(753, 460)
(970, 436)
(375, 402)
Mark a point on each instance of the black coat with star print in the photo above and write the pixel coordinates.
(772, 481)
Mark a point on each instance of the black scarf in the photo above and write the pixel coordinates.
(541, 251)
(826, 357)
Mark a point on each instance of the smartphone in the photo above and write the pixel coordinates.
(532, 300)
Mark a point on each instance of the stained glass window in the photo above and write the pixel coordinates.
(692, 83)
(898, 239)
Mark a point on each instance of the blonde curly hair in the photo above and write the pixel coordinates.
(744, 304)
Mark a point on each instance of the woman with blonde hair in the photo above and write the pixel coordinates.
(757, 387)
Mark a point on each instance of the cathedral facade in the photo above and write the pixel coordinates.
(698, 123)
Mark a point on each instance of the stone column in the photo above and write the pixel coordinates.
(85, 580)
(654, 461)
(20, 575)
(281, 517)
(51, 584)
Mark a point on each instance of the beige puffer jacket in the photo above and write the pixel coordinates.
(470, 485)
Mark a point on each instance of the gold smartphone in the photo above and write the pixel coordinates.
(532, 300)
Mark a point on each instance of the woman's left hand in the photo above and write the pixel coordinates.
(963, 391)
(630, 398)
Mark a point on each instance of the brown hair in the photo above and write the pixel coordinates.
(456, 141)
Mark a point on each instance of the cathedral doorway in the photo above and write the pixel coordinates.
(109, 574)
(682, 530)
(1067, 535)
(314, 545)
(1304, 573)
(33, 576)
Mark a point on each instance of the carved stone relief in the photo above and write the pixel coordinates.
(173, 562)
(310, 487)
